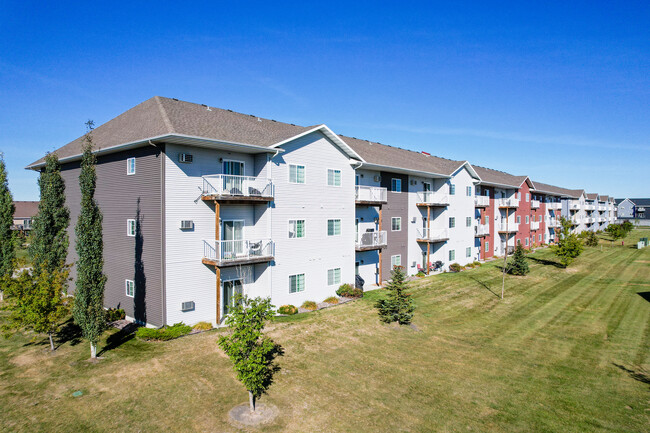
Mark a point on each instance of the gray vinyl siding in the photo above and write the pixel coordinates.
(121, 197)
(397, 206)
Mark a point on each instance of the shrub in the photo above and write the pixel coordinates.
(349, 291)
(114, 314)
(455, 267)
(309, 305)
(163, 334)
(288, 310)
(518, 266)
(202, 326)
(332, 300)
(477, 264)
(420, 274)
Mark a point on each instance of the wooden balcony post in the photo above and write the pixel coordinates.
(381, 250)
(428, 234)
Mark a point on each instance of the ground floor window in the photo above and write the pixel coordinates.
(452, 254)
(468, 252)
(296, 283)
(396, 260)
(487, 246)
(334, 276)
(130, 288)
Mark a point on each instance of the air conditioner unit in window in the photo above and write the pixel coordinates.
(377, 178)
(187, 306)
(187, 225)
(185, 158)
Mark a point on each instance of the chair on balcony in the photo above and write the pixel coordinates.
(254, 191)
(255, 248)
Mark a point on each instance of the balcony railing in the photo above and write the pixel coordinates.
(574, 206)
(237, 186)
(589, 220)
(432, 198)
(507, 202)
(590, 207)
(534, 204)
(510, 227)
(225, 252)
(534, 225)
(433, 235)
(481, 200)
(371, 240)
(602, 207)
(370, 194)
(553, 205)
(602, 219)
(482, 229)
(553, 223)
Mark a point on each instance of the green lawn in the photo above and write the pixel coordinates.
(567, 350)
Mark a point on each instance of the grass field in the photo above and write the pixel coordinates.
(567, 350)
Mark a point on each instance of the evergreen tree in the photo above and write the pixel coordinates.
(7, 248)
(49, 247)
(591, 240)
(569, 246)
(88, 309)
(251, 352)
(398, 307)
(519, 265)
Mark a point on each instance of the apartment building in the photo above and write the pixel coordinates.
(550, 207)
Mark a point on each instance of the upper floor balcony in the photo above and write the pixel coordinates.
(590, 207)
(481, 229)
(370, 195)
(432, 235)
(481, 200)
(371, 241)
(534, 204)
(553, 222)
(575, 220)
(589, 220)
(534, 225)
(574, 206)
(554, 205)
(504, 226)
(241, 189)
(510, 202)
(432, 198)
(237, 252)
(602, 207)
(602, 219)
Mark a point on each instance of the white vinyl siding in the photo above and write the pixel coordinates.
(396, 224)
(130, 228)
(296, 173)
(130, 288)
(296, 283)
(296, 229)
(334, 227)
(130, 166)
(333, 177)
(334, 277)
(395, 261)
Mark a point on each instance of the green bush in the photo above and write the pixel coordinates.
(309, 305)
(518, 266)
(288, 310)
(398, 305)
(332, 300)
(203, 326)
(420, 274)
(477, 264)
(591, 240)
(455, 267)
(349, 291)
(114, 314)
(163, 334)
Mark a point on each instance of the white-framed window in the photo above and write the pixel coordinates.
(333, 177)
(396, 185)
(487, 192)
(527, 196)
(452, 255)
(130, 166)
(395, 261)
(396, 224)
(468, 221)
(130, 288)
(539, 237)
(296, 229)
(487, 246)
(452, 189)
(334, 227)
(296, 283)
(468, 252)
(334, 277)
(468, 191)
(296, 173)
(527, 219)
(130, 227)
(526, 241)
(518, 196)
(518, 219)
(452, 222)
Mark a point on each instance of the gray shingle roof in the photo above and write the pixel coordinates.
(25, 209)
(592, 196)
(495, 177)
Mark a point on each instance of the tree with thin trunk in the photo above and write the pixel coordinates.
(7, 248)
(569, 247)
(49, 246)
(251, 352)
(88, 309)
(398, 306)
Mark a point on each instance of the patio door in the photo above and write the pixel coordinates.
(230, 289)
(233, 180)
(232, 235)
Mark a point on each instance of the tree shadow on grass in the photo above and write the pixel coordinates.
(485, 285)
(68, 333)
(119, 338)
(641, 376)
(546, 262)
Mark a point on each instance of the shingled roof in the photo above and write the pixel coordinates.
(25, 209)
(501, 178)
(592, 196)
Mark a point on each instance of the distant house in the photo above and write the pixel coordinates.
(634, 209)
(25, 212)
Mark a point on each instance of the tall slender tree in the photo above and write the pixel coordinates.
(88, 309)
(7, 252)
(49, 247)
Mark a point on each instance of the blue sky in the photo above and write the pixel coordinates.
(557, 91)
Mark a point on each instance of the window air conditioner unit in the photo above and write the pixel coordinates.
(377, 178)
(187, 306)
(187, 225)
(185, 158)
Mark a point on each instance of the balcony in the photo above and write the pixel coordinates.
(602, 207)
(431, 198)
(534, 225)
(574, 206)
(481, 200)
(432, 235)
(575, 220)
(534, 204)
(370, 195)
(589, 220)
(481, 230)
(510, 227)
(371, 241)
(240, 252)
(510, 202)
(602, 219)
(590, 207)
(240, 189)
(552, 223)
(554, 206)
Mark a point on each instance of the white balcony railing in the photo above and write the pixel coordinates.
(534, 225)
(574, 206)
(507, 202)
(590, 207)
(225, 251)
(433, 234)
(237, 186)
(371, 194)
(602, 207)
(482, 230)
(510, 227)
(481, 200)
(553, 223)
(372, 239)
(534, 204)
(432, 197)
(553, 205)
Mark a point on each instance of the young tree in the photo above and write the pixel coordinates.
(49, 247)
(616, 231)
(398, 307)
(519, 265)
(591, 240)
(251, 352)
(569, 246)
(88, 309)
(7, 247)
(38, 301)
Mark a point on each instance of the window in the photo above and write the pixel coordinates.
(518, 196)
(296, 173)
(396, 185)
(487, 247)
(468, 252)
(539, 237)
(527, 219)
(396, 224)
(468, 221)
(333, 177)
(452, 189)
(296, 283)
(130, 166)
(334, 277)
(527, 196)
(486, 219)
(487, 192)
(518, 219)
(130, 288)
(452, 222)
(333, 227)
(395, 261)
(130, 227)
(296, 229)
(452, 255)
(526, 241)
(468, 191)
